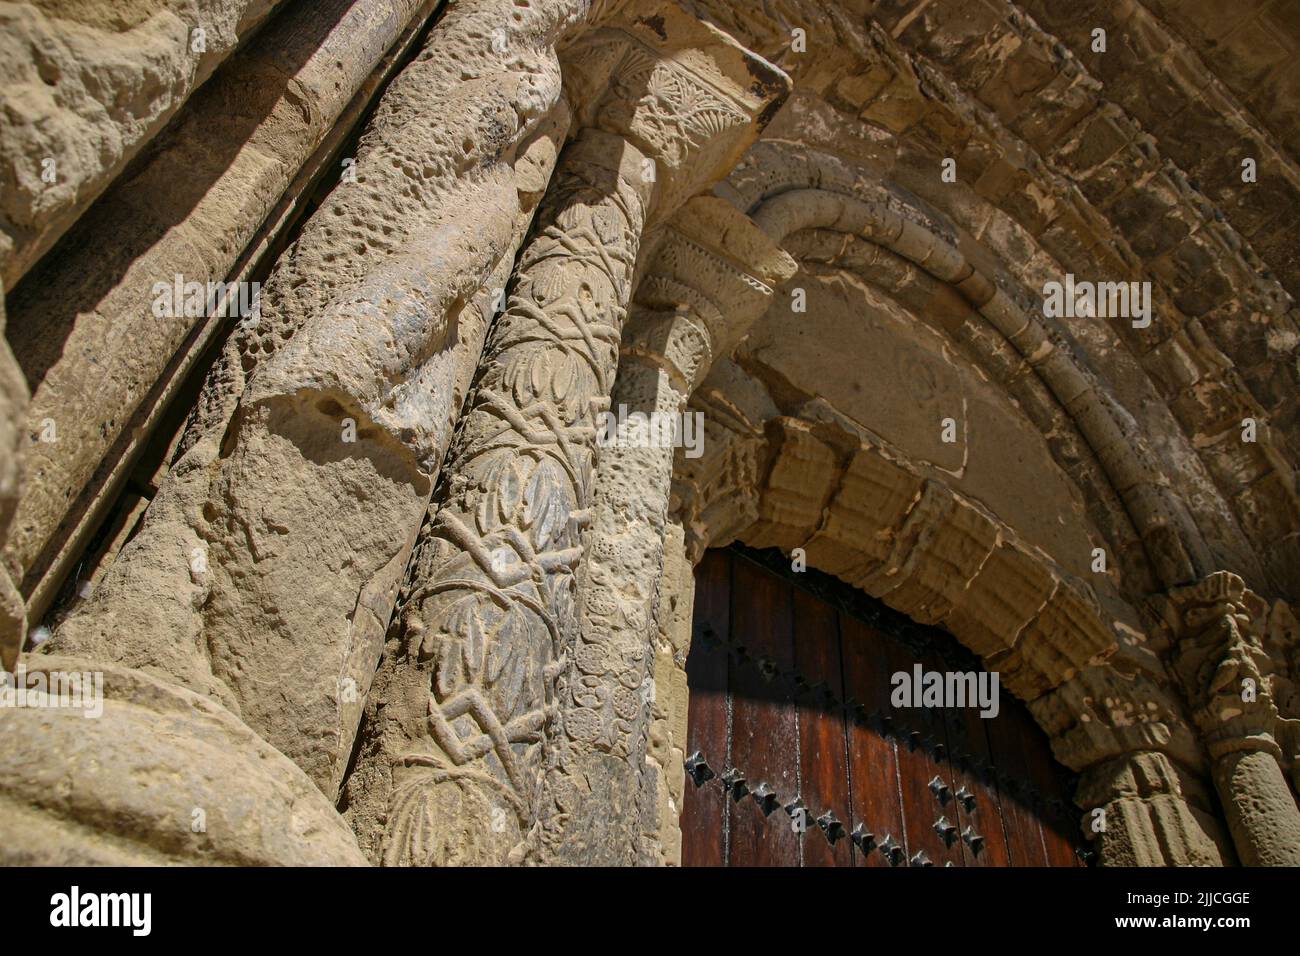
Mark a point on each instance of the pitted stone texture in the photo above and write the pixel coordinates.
(86, 332)
(84, 87)
(163, 776)
(266, 569)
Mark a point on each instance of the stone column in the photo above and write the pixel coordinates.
(1150, 814)
(201, 205)
(1225, 671)
(710, 280)
(461, 727)
(265, 571)
(267, 567)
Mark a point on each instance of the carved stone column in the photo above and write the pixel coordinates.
(457, 743)
(1225, 671)
(710, 280)
(1150, 813)
(267, 567)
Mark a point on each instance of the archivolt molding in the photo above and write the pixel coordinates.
(858, 509)
(863, 513)
(1085, 188)
(1172, 541)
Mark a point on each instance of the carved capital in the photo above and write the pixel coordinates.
(711, 277)
(1218, 657)
(683, 92)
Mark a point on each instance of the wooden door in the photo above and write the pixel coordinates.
(798, 758)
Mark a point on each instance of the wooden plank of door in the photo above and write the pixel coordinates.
(704, 811)
(877, 803)
(1060, 825)
(923, 807)
(764, 734)
(1024, 833)
(823, 760)
(968, 755)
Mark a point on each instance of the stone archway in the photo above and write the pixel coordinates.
(610, 214)
(940, 558)
(814, 484)
(859, 510)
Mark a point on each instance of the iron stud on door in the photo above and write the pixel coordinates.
(699, 769)
(766, 798)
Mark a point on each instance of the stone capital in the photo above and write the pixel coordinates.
(1218, 658)
(710, 277)
(680, 90)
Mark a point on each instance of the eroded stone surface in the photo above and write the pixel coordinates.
(65, 802)
(89, 336)
(345, 391)
(83, 88)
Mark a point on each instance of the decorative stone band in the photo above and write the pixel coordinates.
(862, 512)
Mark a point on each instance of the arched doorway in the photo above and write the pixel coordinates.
(797, 757)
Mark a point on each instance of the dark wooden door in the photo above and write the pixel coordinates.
(798, 758)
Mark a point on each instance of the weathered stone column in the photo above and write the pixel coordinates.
(711, 278)
(200, 206)
(458, 741)
(266, 569)
(1147, 814)
(82, 89)
(1225, 674)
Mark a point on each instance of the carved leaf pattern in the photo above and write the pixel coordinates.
(498, 649)
(502, 492)
(496, 658)
(547, 513)
(558, 377)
